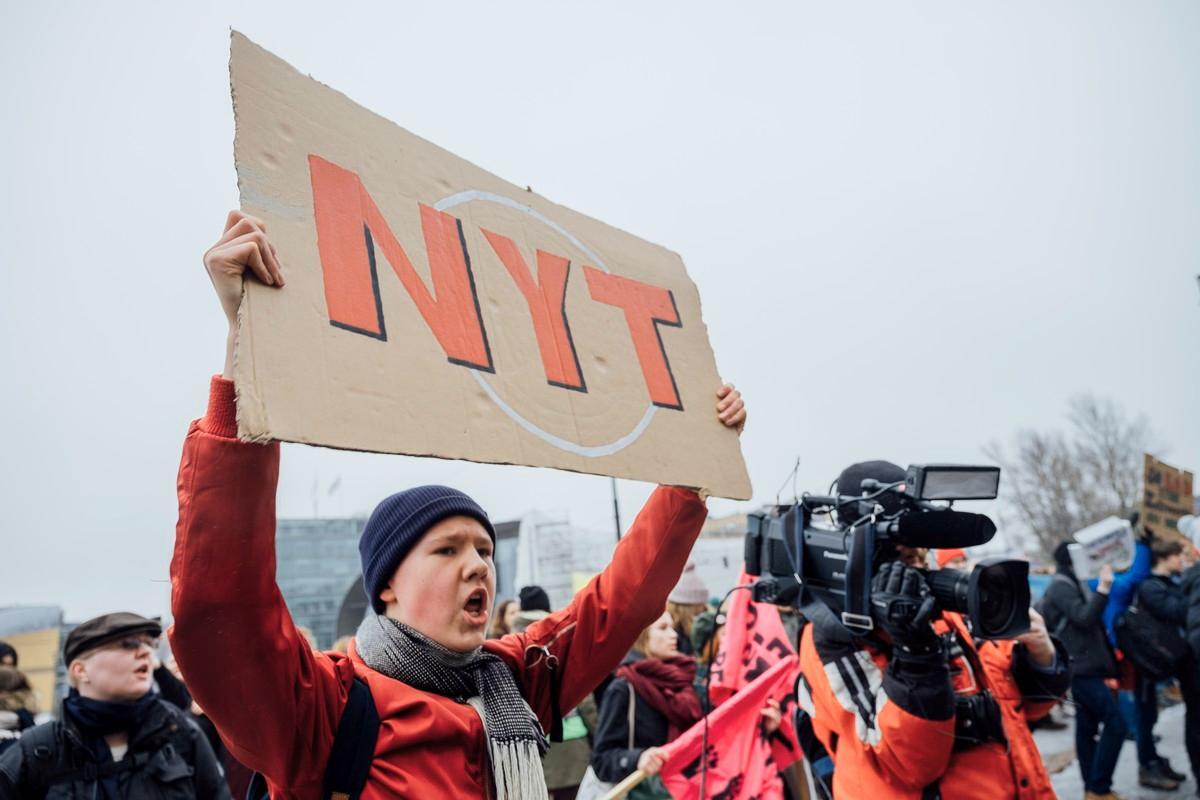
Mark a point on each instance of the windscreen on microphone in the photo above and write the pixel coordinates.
(938, 529)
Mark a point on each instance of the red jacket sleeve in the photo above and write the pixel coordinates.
(608, 614)
(275, 702)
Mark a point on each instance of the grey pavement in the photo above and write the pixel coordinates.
(1069, 783)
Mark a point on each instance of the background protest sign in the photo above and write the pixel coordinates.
(1166, 495)
(1109, 541)
(434, 309)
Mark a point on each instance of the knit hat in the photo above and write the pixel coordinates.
(534, 598)
(399, 521)
(947, 554)
(690, 591)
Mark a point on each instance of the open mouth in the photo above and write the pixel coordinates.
(476, 605)
(142, 670)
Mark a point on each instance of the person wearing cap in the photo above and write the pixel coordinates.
(688, 599)
(913, 709)
(117, 738)
(460, 715)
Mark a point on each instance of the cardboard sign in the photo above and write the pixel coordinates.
(1109, 541)
(1166, 495)
(434, 309)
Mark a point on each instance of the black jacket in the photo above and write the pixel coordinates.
(1079, 624)
(168, 758)
(611, 757)
(1191, 590)
(1163, 599)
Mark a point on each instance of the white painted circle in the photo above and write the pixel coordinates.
(587, 451)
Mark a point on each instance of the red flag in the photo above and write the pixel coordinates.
(739, 755)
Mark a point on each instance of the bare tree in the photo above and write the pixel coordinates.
(1056, 482)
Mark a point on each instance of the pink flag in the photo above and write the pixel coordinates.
(753, 641)
(740, 759)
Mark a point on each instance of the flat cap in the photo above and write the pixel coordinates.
(107, 628)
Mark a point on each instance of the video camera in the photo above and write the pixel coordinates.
(826, 548)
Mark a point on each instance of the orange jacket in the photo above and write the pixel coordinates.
(890, 731)
(277, 704)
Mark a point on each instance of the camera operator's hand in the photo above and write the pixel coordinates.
(1037, 640)
(903, 607)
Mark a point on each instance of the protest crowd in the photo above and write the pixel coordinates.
(446, 691)
(647, 684)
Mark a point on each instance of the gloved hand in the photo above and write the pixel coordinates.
(902, 605)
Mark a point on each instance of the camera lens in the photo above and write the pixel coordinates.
(995, 596)
(998, 598)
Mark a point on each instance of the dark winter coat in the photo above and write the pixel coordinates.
(612, 759)
(1191, 590)
(1078, 621)
(1163, 599)
(170, 757)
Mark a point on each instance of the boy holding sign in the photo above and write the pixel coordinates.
(458, 716)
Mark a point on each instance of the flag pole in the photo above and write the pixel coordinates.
(626, 786)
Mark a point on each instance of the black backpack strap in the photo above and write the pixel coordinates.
(41, 756)
(352, 751)
(353, 745)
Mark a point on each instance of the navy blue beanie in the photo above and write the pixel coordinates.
(398, 522)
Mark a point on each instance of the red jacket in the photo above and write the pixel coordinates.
(277, 704)
(891, 735)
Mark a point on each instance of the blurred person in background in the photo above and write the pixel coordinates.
(688, 599)
(506, 615)
(658, 681)
(117, 738)
(18, 706)
(1077, 618)
(1162, 597)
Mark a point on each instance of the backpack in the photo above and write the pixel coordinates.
(1155, 647)
(352, 751)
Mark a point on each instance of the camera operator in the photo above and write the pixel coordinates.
(916, 708)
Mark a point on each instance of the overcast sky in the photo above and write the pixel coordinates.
(915, 228)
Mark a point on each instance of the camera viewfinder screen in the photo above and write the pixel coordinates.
(954, 484)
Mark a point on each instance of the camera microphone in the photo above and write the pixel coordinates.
(945, 528)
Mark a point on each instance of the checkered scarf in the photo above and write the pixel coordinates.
(516, 742)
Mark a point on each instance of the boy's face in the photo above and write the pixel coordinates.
(445, 585)
(119, 671)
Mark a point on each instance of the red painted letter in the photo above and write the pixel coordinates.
(547, 306)
(348, 226)
(646, 307)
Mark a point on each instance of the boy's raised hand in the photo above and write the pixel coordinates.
(730, 408)
(243, 247)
